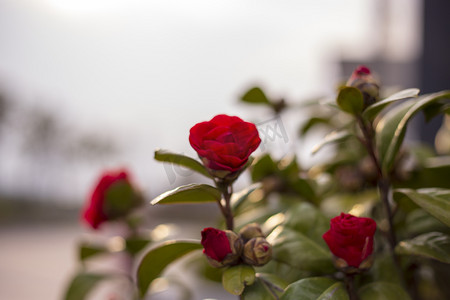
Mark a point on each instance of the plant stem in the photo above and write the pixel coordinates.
(227, 190)
(229, 219)
(350, 287)
(384, 186)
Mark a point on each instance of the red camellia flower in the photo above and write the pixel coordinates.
(225, 142)
(351, 238)
(215, 243)
(94, 212)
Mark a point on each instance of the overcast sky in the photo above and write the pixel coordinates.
(146, 71)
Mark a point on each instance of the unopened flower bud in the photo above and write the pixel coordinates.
(236, 246)
(363, 80)
(257, 252)
(221, 248)
(250, 231)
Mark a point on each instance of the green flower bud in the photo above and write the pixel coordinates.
(250, 231)
(257, 252)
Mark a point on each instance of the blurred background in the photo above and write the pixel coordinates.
(99, 84)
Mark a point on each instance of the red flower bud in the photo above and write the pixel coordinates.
(102, 206)
(224, 144)
(221, 247)
(363, 80)
(350, 239)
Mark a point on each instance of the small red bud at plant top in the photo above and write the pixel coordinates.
(221, 247)
(112, 197)
(350, 238)
(224, 143)
(363, 80)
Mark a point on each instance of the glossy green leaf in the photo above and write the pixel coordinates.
(435, 201)
(433, 172)
(181, 160)
(391, 129)
(331, 138)
(235, 278)
(315, 288)
(158, 258)
(435, 245)
(266, 287)
(382, 290)
(372, 111)
(350, 100)
(82, 284)
(299, 251)
(190, 193)
(418, 221)
(255, 95)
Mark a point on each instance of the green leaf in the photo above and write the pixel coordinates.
(372, 111)
(435, 201)
(181, 160)
(299, 251)
(82, 284)
(435, 245)
(238, 198)
(433, 172)
(350, 100)
(419, 221)
(391, 129)
(311, 123)
(158, 258)
(120, 199)
(266, 287)
(190, 193)
(332, 137)
(382, 290)
(255, 95)
(436, 108)
(383, 269)
(235, 278)
(262, 167)
(308, 220)
(136, 244)
(86, 250)
(315, 288)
